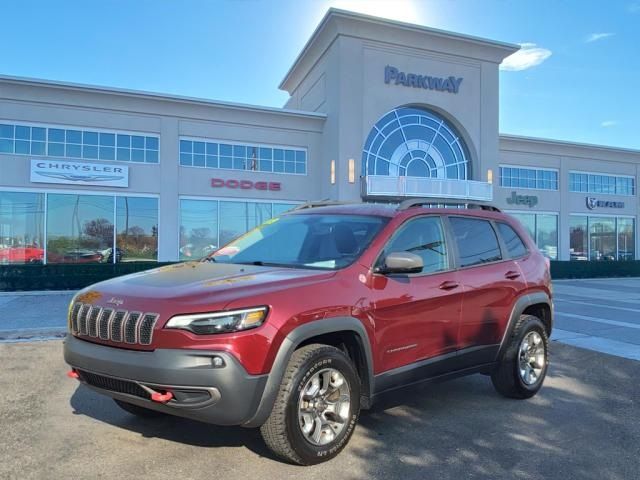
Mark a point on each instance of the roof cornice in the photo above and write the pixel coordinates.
(338, 22)
(68, 86)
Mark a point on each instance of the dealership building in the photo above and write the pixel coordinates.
(378, 111)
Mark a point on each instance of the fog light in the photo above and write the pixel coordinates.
(217, 362)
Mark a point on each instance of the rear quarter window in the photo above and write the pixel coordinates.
(515, 245)
(476, 241)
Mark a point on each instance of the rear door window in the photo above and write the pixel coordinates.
(476, 241)
(515, 245)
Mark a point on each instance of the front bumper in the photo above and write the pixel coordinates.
(225, 395)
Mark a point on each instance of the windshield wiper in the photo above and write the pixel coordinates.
(260, 263)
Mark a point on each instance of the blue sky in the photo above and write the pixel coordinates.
(578, 79)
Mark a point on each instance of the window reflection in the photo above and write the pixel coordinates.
(79, 228)
(626, 239)
(543, 229)
(578, 238)
(547, 235)
(237, 218)
(136, 230)
(21, 227)
(205, 225)
(198, 228)
(602, 238)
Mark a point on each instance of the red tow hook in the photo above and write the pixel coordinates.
(73, 374)
(161, 397)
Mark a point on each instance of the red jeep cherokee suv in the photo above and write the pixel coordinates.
(302, 322)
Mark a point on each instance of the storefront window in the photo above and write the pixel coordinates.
(79, 228)
(578, 238)
(280, 208)
(626, 239)
(543, 229)
(198, 228)
(136, 230)
(602, 238)
(237, 218)
(201, 221)
(528, 221)
(21, 227)
(547, 235)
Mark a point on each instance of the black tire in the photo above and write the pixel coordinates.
(506, 378)
(282, 431)
(137, 410)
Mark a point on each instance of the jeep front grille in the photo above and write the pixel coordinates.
(119, 326)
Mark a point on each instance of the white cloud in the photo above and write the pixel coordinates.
(608, 123)
(528, 56)
(594, 37)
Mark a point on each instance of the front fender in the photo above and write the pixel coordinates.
(291, 343)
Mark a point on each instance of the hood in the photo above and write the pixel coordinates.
(192, 286)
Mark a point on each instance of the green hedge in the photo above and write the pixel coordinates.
(582, 269)
(73, 277)
(64, 276)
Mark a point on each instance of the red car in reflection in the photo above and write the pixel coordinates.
(23, 254)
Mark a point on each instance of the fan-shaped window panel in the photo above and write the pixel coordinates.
(415, 142)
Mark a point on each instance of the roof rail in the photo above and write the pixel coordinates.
(319, 203)
(419, 202)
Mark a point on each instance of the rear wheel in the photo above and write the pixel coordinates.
(523, 367)
(137, 410)
(317, 407)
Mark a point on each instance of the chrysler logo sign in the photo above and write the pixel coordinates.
(449, 84)
(75, 173)
(593, 203)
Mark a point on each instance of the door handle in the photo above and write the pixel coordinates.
(448, 285)
(512, 275)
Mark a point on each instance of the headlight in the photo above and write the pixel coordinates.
(219, 322)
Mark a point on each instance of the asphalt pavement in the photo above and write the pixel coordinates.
(584, 424)
(599, 314)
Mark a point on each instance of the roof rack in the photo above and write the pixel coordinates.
(319, 203)
(419, 202)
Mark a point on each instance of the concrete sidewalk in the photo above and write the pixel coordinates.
(33, 315)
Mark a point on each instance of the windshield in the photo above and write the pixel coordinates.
(303, 241)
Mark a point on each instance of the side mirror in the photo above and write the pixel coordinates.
(402, 262)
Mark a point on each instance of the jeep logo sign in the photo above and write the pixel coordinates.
(528, 200)
(245, 184)
(450, 84)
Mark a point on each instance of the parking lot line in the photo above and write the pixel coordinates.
(598, 320)
(601, 305)
(603, 345)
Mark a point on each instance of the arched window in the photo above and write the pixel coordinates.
(414, 142)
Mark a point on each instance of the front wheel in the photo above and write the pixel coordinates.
(317, 407)
(523, 367)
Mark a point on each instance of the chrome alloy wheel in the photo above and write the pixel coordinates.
(323, 406)
(531, 358)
